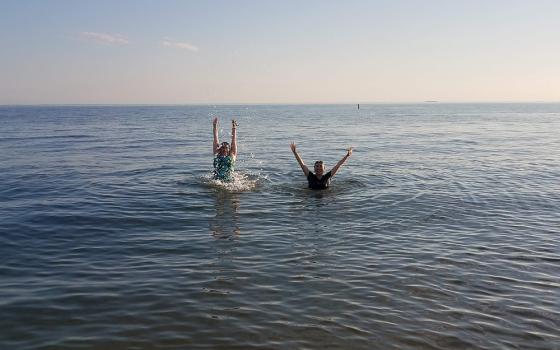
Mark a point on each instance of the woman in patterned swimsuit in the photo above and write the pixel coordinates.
(224, 160)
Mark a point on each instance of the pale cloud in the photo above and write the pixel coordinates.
(168, 42)
(113, 39)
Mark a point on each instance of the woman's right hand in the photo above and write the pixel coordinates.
(293, 147)
(215, 122)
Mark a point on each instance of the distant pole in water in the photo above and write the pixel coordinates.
(358, 106)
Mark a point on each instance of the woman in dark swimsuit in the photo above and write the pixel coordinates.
(319, 180)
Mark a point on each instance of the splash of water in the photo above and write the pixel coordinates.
(241, 182)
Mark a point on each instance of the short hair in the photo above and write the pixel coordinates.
(319, 162)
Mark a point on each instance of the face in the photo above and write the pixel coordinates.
(319, 168)
(224, 149)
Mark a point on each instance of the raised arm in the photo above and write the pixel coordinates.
(340, 162)
(299, 160)
(216, 144)
(233, 151)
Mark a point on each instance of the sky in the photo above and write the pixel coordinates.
(283, 51)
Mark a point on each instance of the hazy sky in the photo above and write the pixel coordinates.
(278, 51)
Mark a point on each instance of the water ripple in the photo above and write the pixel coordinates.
(440, 232)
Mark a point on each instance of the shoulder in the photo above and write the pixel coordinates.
(328, 175)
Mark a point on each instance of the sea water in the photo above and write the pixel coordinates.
(441, 231)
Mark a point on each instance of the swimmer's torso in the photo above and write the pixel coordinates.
(223, 168)
(319, 184)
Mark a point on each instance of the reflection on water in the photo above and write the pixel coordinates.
(225, 223)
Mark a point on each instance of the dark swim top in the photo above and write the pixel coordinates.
(316, 184)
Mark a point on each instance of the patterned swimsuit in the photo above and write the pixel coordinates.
(223, 168)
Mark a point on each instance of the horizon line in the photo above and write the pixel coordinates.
(276, 103)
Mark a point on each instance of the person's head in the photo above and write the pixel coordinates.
(319, 167)
(223, 150)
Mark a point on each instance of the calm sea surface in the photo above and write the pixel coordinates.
(442, 231)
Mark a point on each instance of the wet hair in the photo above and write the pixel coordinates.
(224, 144)
(319, 162)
